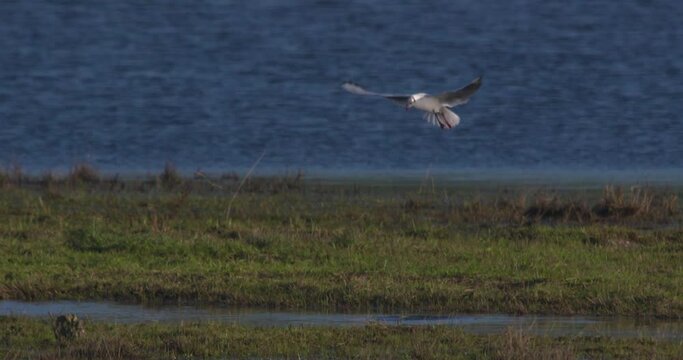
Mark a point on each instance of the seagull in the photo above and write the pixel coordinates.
(436, 107)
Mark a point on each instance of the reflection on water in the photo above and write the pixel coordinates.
(616, 327)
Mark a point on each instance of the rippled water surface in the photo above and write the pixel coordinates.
(211, 84)
(474, 323)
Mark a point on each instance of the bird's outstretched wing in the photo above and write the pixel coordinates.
(358, 90)
(460, 96)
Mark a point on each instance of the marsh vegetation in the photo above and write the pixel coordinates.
(296, 244)
(293, 243)
(26, 338)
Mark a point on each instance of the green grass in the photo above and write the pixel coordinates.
(27, 338)
(299, 245)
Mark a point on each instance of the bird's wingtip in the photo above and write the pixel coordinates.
(347, 84)
(353, 88)
(477, 81)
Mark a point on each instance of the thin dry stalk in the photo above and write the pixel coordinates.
(427, 178)
(200, 175)
(239, 187)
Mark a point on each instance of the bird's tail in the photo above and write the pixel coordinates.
(445, 118)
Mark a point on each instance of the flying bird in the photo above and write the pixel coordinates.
(436, 107)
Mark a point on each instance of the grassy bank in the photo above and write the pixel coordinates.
(21, 338)
(287, 243)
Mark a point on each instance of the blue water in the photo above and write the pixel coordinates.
(128, 85)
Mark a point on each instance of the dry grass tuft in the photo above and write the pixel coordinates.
(414, 204)
(170, 177)
(231, 176)
(84, 173)
(669, 203)
(4, 179)
(13, 176)
(104, 347)
(518, 345)
(639, 202)
(615, 203)
(552, 208)
(49, 180)
(275, 184)
(67, 328)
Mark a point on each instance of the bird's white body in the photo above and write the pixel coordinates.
(436, 108)
(426, 102)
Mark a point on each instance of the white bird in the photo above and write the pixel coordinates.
(437, 107)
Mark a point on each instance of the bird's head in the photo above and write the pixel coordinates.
(413, 98)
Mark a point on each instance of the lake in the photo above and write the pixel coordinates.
(586, 86)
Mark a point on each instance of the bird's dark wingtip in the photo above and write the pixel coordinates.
(476, 83)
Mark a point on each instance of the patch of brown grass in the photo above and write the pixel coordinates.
(13, 176)
(84, 173)
(518, 345)
(552, 208)
(638, 202)
(274, 184)
(170, 178)
(4, 179)
(100, 348)
(615, 203)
